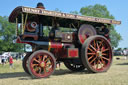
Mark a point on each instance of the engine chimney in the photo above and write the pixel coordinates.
(40, 5)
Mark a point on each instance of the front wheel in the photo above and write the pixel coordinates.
(25, 62)
(41, 64)
(97, 54)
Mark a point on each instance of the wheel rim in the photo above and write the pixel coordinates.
(25, 62)
(99, 54)
(42, 65)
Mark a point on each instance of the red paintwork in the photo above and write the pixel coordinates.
(81, 39)
(18, 40)
(60, 50)
(31, 26)
(73, 53)
(56, 45)
(35, 37)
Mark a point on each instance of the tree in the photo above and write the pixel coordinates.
(7, 33)
(74, 12)
(119, 49)
(57, 10)
(115, 38)
(101, 11)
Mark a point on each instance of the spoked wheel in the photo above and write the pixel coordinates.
(25, 62)
(71, 65)
(41, 64)
(97, 54)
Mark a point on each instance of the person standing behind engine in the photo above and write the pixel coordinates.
(104, 32)
(11, 62)
(3, 60)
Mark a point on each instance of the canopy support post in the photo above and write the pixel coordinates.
(25, 22)
(16, 26)
(22, 23)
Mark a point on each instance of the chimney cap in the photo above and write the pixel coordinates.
(40, 5)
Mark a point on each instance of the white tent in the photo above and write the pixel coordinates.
(0, 59)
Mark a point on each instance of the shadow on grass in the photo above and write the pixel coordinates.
(24, 76)
(13, 75)
(122, 64)
(66, 71)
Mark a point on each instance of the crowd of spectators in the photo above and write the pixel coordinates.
(5, 57)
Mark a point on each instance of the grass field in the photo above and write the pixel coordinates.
(116, 75)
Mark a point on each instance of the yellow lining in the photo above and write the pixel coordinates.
(49, 47)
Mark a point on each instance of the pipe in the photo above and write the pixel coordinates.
(48, 44)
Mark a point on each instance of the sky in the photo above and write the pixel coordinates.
(118, 8)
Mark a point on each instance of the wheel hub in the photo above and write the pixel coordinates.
(99, 54)
(42, 64)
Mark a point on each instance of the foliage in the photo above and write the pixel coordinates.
(57, 10)
(125, 48)
(101, 11)
(46, 30)
(74, 12)
(96, 11)
(115, 37)
(7, 33)
(119, 49)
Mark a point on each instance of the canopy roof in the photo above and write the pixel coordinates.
(16, 13)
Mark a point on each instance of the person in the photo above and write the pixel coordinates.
(11, 62)
(3, 60)
(125, 53)
(104, 32)
(16, 56)
(58, 65)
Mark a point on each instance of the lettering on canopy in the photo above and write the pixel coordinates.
(69, 16)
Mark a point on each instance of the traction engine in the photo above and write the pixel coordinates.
(60, 37)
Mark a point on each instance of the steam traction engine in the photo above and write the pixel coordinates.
(56, 36)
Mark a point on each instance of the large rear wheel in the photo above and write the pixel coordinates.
(97, 54)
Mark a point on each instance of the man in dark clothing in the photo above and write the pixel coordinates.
(104, 31)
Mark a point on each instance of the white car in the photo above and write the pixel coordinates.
(5, 56)
(0, 59)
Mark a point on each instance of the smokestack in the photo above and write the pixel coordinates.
(40, 5)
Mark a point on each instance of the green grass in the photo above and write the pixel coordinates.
(116, 75)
